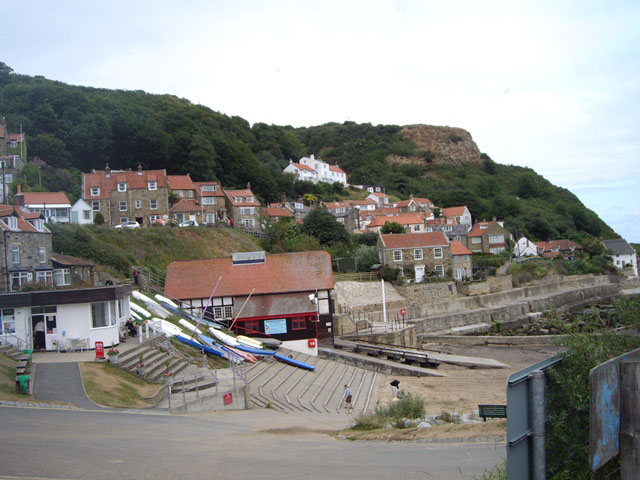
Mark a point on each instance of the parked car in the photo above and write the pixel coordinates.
(129, 224)
(188, 223)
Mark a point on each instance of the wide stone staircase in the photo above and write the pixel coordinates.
(291, 389)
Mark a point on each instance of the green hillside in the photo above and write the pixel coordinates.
(75, 129)
(153, 247)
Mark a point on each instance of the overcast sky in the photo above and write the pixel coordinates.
(551, 85)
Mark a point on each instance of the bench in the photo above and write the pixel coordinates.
(492, 411)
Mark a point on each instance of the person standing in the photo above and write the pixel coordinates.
(39, 335)
(348, 398)
(136, 274)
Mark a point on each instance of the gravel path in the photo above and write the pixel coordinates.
(360, 294)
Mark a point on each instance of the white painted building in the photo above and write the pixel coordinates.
(525, 248)
(315, 170)
(624, 255)
(73, 318)
(81, 213)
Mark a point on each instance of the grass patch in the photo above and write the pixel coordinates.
(8, 381)
(499, 472)
(410, 406)
(111, 386)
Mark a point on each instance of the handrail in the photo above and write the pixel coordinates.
(20, 343)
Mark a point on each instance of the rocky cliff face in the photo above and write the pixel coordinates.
(439, 145)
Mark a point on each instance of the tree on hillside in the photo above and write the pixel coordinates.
(365, 257)
(321, 224)
(392, 227)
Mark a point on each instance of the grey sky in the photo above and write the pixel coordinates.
(554, 86)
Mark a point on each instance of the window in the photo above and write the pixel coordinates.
(460, 274)
(496, 250)
(122, 187)
(153, 218)
(95, 206)
(340, 220)
(298, 323)
(39, 224)
(153, 204)
(42, 255)
(417, 254)
(13, 223)
(99, 315)
(124, 219)
(62, 276)
(15, 254)
(238, 199)
(496, 238)
(416, 228)
(248, 222)
(190, 193)
(123, 206)
(95, 191)
(179, 193)
(439, 270)
(152, 185)
(138, 204)
(397, 255)
(210, 218)
(437, 252)
(19, 279)
(86, 214)
(208, 200)
(14, 143)
(8, 325)
(45, 277)
(476, 239)
(112, 310)
(8, 178)
(208, 188)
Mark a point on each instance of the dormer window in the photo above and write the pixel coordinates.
(39, 224)
(122, 187)
(249, 199)
(238, 199)
(208, 188)
(484, 227)
(95, 191)
(152, 185)
(13, 223)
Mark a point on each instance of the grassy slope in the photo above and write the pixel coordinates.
(154, 247)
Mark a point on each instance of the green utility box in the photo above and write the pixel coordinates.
(22, 382)
(28, 352)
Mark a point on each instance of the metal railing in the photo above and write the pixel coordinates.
(17, 342)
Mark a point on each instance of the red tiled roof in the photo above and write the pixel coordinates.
(436, 221)
(232, 194)
(379, 194)
(453, 211)
(218, 193)
(185, 205)
(23, 225)
(459, 249)
(134, 180)
(180, 182)
(2, 131)
(422, 200)
(332, 205)
(402, 219)
(366, 201)
(277, 212)
(335, 168)
(69, 260)
(301, 166)
(559, 244)
(409, 240)
(281, 273)
(16, 136)
(40, 198)
(477, 231)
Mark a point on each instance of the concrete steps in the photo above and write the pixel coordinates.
(287, 388)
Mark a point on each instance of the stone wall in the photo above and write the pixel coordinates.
(474, 288)
(500, 283)
(405, 338)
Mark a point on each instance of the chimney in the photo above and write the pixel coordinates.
(139, 169)
(18, 198)
(284, 199)
(107, 171)
(248, 185)
(494, 219)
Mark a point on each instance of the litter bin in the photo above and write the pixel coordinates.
(22, 382)
(28, 352)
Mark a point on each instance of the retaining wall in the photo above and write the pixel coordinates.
(406, 337)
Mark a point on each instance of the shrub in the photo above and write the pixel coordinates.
(389, 274)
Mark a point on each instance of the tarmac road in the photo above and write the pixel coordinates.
(50, 443)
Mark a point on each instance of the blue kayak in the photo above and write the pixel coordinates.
(295, 363)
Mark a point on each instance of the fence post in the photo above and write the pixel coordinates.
(629, 419)
(538, 417)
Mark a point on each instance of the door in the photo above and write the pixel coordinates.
(419, 269)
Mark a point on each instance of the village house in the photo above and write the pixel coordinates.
(624, 255)
(285, 296)
(54, 206)
(121, 196)
(273, 213)
(380, 199)
(461, 214)
(559, 249)
(243, 208)
(186, 210)
(412, 222)
(182, 186)
(525, 248)
(212, 199)
(315, 170)
(13, 152)
(81, 213)
(416, 254)
(488, 238)
(345, 213)
(37, 285)
(423, 205)
(461, 264)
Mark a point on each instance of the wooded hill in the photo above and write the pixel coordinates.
(75, 129)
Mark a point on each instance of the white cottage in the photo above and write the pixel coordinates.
(81, 213)
(525, 248)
